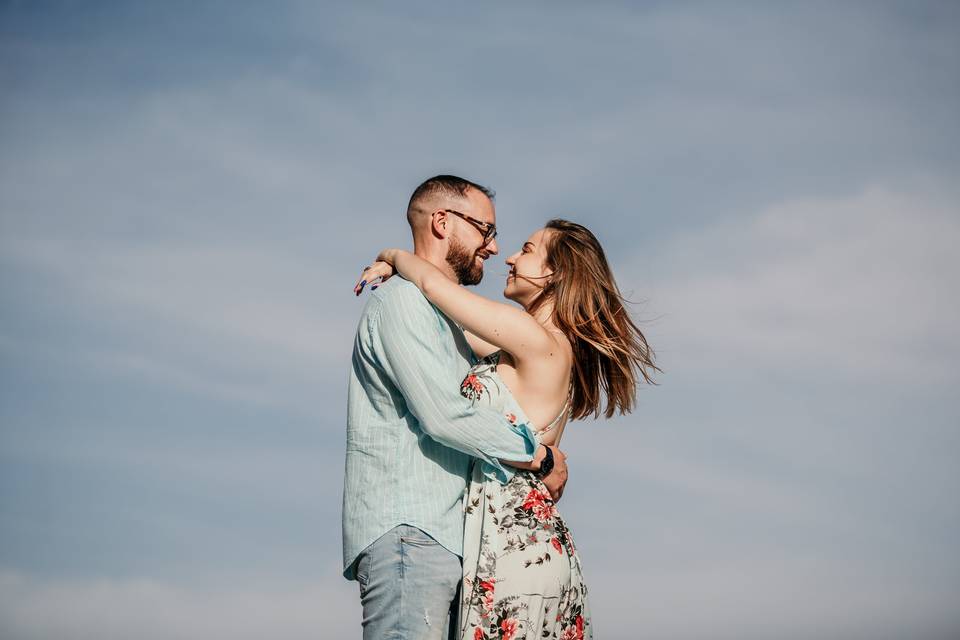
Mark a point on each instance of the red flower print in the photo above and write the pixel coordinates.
(477, 633)
(509, 627)
(471, 387)
(512, 418)
(574, 631)
(544, 511)
(556, 544)
(537, 502)
(533, 499)
(487, 586)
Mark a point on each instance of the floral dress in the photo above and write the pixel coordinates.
(521, 572)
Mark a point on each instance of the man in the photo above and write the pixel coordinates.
(411, 436)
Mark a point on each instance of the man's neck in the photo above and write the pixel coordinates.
(436, 256)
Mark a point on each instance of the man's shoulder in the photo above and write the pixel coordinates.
(393, 291)
(401, 304)
(399, 291)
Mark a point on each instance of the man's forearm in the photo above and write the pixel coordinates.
(556, 480)
(530, 465)
(478, 431)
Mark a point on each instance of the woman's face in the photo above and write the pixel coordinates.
(529, 272)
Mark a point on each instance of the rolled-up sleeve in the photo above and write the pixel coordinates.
(418, 348)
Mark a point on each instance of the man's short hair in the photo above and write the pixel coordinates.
(443, 185)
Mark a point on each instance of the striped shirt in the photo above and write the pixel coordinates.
(411, 436)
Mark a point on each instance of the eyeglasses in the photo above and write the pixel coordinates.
(488, 229)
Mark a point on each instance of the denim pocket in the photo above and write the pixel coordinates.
(361, 572)
(412, 535)
(419, 541)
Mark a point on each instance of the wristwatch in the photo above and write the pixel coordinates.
(546, 465)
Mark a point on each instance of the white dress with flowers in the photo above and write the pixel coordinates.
(521, 572)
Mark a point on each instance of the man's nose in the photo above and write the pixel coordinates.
(492, 247)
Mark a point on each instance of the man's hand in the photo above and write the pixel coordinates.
(556, 480)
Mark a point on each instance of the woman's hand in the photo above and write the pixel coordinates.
(375, 275)
(389, 256)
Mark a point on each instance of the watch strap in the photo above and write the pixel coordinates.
(546, 466)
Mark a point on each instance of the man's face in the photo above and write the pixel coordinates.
(467, 249)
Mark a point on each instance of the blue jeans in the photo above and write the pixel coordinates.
(409, 587)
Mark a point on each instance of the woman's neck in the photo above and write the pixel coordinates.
(543, 314)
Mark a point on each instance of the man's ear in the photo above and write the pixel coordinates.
(439, 222)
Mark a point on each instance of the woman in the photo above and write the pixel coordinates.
(542, 365)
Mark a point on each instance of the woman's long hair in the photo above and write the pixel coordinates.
(609, 350)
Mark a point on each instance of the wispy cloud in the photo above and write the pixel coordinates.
(860, 285)
(183, 213)
(795, 595)
(32, 609)
(241, 324)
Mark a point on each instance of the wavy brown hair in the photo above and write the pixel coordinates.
(610, 353)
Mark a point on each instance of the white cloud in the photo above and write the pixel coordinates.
(790, 594)
(38, 609)
(790, 598)
(239, 324)
(214, 263)
(864, 285)
(255, 164)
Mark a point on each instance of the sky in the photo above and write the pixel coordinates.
(188, 191)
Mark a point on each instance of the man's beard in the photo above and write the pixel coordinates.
(464, 263)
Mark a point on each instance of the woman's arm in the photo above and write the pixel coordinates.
(481, 348)
(501, 325)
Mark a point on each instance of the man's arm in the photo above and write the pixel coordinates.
(556, 480)
(419, 351)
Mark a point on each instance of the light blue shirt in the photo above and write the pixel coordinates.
(411, 436)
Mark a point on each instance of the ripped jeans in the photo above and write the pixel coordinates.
(409, 586)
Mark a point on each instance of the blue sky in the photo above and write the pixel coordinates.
(187, 191)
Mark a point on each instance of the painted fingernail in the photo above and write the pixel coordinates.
(363, 283)
(374, 287)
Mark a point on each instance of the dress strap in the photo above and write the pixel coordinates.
(563, 412)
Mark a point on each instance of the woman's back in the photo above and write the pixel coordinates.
(541, 386)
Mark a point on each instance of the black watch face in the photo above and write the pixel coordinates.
(546, 466)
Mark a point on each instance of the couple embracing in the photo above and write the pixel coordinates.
(456, 407)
